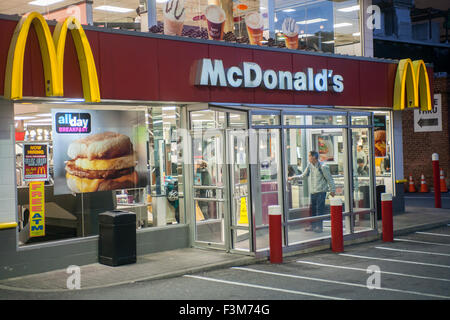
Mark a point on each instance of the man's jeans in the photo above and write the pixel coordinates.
(317, 208)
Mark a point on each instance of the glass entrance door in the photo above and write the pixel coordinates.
(220, 179)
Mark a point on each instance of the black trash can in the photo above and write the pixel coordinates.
(117, 238)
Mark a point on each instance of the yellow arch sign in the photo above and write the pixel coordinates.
(52, 51)
(412, 85)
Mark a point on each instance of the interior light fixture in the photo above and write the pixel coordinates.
(349, 9)
(310, 21)
(46, 120)
(328, 42)
(23, 118)
(343, 24)
(161, 1)
(44, 3)
(288, 10)
(356, 34)
(114, 9)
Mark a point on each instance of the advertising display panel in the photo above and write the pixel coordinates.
(35, 162)
(98, 150)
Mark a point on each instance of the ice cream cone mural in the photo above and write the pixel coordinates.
(255, 25)
(174, 15)
(290, 30)
(215, 17)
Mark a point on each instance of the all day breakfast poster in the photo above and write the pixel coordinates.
(98, 150)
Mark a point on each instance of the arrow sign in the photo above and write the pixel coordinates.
(428, 122)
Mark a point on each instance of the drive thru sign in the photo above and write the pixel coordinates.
(426, 121)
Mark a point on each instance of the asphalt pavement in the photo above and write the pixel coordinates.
(413, 267)
(196, 274)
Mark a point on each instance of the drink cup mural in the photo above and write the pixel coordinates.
(174, 15)
(255, 25)
(290, 30)
(215, 16)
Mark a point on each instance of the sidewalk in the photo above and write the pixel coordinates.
(190, 260)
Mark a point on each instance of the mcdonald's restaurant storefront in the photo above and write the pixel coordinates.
(197, 138)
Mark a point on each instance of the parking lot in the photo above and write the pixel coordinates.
(413, 267)
(416, 266)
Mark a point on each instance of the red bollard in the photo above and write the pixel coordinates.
(337, 237)
(436, 181)
(386, 217)
(275, 238)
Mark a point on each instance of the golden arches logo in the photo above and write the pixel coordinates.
(412, 85)
(41, 170)
(52, 51)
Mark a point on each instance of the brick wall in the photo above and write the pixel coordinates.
(419, 146)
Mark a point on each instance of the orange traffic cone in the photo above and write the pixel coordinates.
(442, 180)
(412, 188)
(423, 184)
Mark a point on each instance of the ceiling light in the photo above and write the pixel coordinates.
(39, 124)
(288, 10)
(161, 1)
(114, 9)
(311, 21)
(44, 115)
(41, 120)
(23, 118)
(356, 34)
(44, 3)
(343, 24)
(328, 42)
(349, 9)
(75, 100)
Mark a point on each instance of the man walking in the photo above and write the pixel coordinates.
(321, 183)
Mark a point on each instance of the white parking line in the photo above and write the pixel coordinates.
(264, 287)
(394, 260)
(341, 283)
(423, 242)
(434, 234)
(414, 251)
(365, 270)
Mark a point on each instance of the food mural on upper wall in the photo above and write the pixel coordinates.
(174, 15)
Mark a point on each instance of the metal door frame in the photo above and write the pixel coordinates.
(228, 188)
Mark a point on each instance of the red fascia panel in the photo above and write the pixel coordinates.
(231, 57)
(175, 61)
(128, 68)
(276, 61)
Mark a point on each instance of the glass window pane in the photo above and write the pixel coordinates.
(328, 26)
(329, 120)
(383, 156)
(238, 120)
(265, 120)
(294, 120)
(269, 160)
(360, 120)
(308, 188)
(361, 169)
